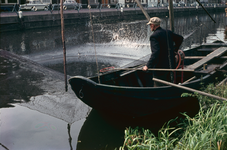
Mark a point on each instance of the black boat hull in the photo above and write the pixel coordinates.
(133, 101)
(118, 93)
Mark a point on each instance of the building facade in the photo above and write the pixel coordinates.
(124, 3)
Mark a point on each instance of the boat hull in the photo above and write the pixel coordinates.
(133, 101)
(127, 94)
(123, 108)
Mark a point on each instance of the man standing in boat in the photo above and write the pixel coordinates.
(164, 44)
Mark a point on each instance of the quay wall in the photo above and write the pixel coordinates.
(30, 20)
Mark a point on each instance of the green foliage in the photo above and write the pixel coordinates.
(147, 140)
(205, 101)
(207, 130)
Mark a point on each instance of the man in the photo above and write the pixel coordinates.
(164, 44)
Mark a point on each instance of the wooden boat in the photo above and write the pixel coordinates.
(122, 92)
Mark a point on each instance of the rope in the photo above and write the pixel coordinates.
(94, 42)
(181, 57)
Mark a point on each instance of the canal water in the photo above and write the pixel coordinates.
(36, 112)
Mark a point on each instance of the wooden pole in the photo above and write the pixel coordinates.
(206, 11)
(190, 79)
(171, 15)
(63, 42)
(157, 69)
(190, 89)
(222, 82)
(144, 11)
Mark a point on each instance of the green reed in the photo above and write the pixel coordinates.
(207, 130)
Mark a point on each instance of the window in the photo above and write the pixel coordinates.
(46, 1)
(12, 1)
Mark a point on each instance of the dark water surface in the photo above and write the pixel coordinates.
(37, 113)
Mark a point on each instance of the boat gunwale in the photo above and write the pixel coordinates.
(140, 88)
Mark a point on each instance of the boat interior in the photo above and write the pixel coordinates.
(200, 61)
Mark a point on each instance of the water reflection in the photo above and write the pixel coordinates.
(13, 76)
(85, 65)
(41, 88)
(26, 129)
(47, 109)
(70, 137)
(117, 43)
(121, 33)
(97, 133)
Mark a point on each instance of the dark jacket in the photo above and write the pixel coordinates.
(158, 42)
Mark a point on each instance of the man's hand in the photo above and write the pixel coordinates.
(145, 68)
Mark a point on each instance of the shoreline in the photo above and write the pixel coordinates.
(10, 21)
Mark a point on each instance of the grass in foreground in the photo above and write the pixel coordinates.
(207, 130)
